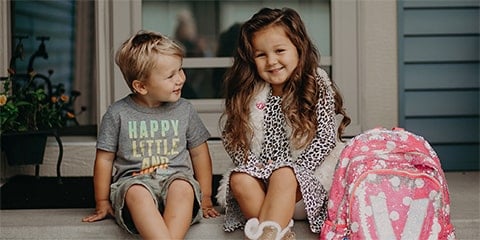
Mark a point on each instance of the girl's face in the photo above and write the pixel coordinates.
(165, 81)
(275, 56)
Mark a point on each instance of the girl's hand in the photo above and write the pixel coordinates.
(102, 210)
(207, 208)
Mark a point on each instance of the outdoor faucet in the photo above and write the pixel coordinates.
(41, 52)
(18, 52)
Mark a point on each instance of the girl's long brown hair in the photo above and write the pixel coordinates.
(301, 91)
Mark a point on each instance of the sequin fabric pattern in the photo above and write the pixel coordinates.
(389, 184)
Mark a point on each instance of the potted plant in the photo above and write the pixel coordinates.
(30, 110)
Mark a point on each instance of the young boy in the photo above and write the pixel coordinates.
(157, 145)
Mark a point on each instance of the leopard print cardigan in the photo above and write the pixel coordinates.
(271, 134)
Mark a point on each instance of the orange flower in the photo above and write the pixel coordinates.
(32, 108)
(70, 115)
(64, 98)
(3, 100)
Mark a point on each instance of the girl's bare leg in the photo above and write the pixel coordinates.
(249, 193)
(179, 208)
(280, 200)
(145, 214)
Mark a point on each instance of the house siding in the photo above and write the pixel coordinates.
(439, 77)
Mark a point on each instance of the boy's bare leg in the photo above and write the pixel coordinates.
(179, 208)
(249, 193)
(145, 214)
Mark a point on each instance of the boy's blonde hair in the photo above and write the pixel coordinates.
(136, 56)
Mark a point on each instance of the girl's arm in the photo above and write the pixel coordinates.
(102, 178)
(202, 167)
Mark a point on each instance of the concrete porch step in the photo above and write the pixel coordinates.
(67, 224)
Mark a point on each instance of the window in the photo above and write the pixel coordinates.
(209, 30)
(54, 39)
(123, 19)
(117, 20)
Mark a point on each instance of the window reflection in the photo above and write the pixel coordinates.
(209, 30)
(208, 82)
(62, 30)
(186, 33)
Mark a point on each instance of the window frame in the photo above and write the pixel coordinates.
(5, 40)
(117, 20)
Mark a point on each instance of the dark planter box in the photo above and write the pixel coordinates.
(24, 148)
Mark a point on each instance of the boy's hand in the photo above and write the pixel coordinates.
(102, 210)
(207, 208)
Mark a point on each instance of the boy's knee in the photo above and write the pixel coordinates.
(136, 192)
(181, 187)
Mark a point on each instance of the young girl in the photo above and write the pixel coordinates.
(157, 144)
(279, 125)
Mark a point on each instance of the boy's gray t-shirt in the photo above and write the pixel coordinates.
(145, 138)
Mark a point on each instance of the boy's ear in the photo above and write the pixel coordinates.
(139, 87)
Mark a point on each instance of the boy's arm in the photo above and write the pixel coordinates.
(202, 167)
(102, 177)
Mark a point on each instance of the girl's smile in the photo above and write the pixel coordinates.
(275, 56)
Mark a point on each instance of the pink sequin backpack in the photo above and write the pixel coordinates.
(388, 184)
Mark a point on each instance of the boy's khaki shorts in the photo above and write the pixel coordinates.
(157, 184)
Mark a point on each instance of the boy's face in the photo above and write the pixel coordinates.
(165, 81)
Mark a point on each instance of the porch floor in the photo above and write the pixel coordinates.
(66, 223)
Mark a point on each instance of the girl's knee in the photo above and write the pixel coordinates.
(284, 178)
(243, 181)
(284, 172)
